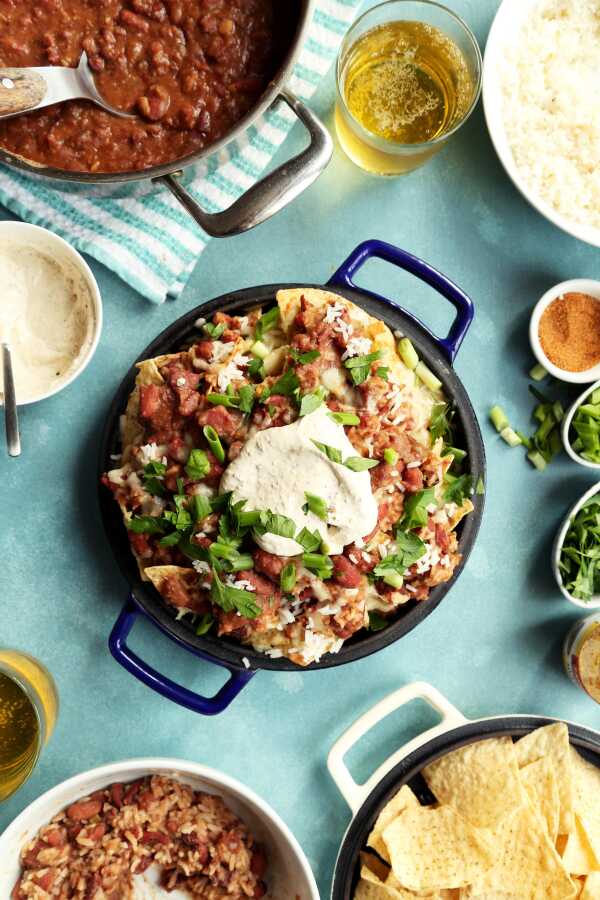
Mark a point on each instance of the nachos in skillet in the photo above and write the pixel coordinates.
(289, 480)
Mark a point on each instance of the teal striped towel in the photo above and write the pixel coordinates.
(149, 241)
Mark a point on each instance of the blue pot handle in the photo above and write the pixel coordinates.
(379, 249)
(206, 706)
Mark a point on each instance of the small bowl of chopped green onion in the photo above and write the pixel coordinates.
(576, 552)
(581, 428)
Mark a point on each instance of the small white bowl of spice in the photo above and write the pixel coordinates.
(564, 331)
(50, 310)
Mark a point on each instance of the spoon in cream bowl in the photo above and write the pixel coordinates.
(50, 317)
(11, 419)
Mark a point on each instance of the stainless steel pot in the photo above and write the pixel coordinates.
(259, 203)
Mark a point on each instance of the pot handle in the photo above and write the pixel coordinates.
(355, 794)
(269, 195)
(206, 706)
(380, 250)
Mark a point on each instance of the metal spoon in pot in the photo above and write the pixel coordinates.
(13, 440)
(23, 90)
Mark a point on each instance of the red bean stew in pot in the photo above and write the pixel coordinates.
(191, 69)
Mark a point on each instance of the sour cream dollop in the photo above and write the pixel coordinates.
(46, 316)
(278, 466)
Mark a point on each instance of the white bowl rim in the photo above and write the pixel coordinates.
(172, 766)
(495, 124)
(566, 425)
(579, 285)
(559, 540)
(79, 262)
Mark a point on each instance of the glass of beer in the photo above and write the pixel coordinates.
(28, 712)
(408, 77)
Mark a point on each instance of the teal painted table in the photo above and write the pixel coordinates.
(493, 646)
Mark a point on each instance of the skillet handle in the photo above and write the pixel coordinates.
(355, 794)
(206, 706)
(269, 195)
(380, 250)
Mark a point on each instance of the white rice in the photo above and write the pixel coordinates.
(551, 91)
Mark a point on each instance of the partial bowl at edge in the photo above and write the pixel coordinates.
(559, 540)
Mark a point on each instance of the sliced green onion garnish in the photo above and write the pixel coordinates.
(316, 505)
(214, 442)
(287, 578)
(511, 437)
(536, 459)
(390, 456)
(458, 454)
(538, 373)
(200, 507)
(344, 418)
(498, 418)
(205, 624)
(266, 322)
(394, 579)
(408, 354)
(427, 377)
(259, 350)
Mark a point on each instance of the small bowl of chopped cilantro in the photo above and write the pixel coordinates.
(581, 428)
(576, 552)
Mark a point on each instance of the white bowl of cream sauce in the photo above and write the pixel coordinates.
(50, 310)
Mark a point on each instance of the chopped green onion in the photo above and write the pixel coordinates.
(390, 456)
(344, 418)
(287, 578)
(510, 436)
(259, 350)
(480, 487)
(558, 411)
(360, 463)
(536, 459)
(316, 505)
(360, 366)
(266, 322)
(382, 372)
(214, 442)
(408, 354)
(205, 624)
(331, 453)
(317, 561)
(198, 465)
(427, 377)
(458, 454)
(394, 579)
(200, 507)
(310, 402)
(499, 418)
(310, 540)
(579, 561)
(213, 331)
(171, 540)
(538, 373)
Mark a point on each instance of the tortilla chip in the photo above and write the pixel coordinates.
(431, 849)
(373, 886)
(552, 741)
(289, 307)
(480, 780)
(375, 865)
(586, 798)
(404, 799)
(462, 511)
(157, 574)
(591, 887)
(578, 856)
(542, 789)
(526, 862)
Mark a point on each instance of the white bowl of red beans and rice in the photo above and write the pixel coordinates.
(288, 875)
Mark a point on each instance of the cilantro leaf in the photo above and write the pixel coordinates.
(331, 453)
(377, 622)
(360, 463)
(415, 509)
(310, 402)
(213, 331)
(360, 366)
(304, 358)
(153, 478)
(285, 386)
(273, 523)
(458, 489)
(310, 540)
(146, 525)
(232, 599)
(316, 505)
(205, 624)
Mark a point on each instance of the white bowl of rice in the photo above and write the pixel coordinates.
(541, 96)
(126, 841)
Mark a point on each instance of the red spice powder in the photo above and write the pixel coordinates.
(569, 332)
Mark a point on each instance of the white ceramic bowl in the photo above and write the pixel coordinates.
(580, 285)
(566, 427)
(57, 248)
(504, 31)
(559, 540)
(289, 875)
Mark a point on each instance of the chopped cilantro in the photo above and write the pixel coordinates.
(205, 624)
(415, 509)
(382, 372)
(273, 523)
(331, 453)
(198, 465)
(213, 331)
(152, 478)
(360, 463)
(255, 369)
(200, 507)
(310, 540)
(304, 358)
(146, 525)
(266, 322)
(310, 402)
(377, 622)
(458, 489)
(232, 599)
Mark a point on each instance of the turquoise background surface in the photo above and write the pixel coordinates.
(494, 644)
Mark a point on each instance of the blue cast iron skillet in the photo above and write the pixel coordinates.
(405, 767)
(242, 661)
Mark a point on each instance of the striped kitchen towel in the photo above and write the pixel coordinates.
(149, 241)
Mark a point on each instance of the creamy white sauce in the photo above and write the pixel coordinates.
(46, 316)
(278, 466)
